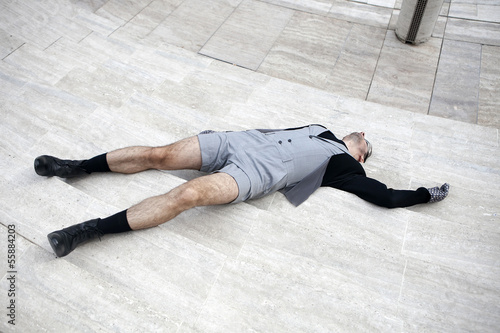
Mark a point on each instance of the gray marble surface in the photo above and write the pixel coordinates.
(476, 11)
(247, 36)
(405, 74)
(130, 73)
(473, 31)
(362, 13)
(357, 61)
(336, 48)
(8, 44)
(307, 39)
(320, 7)
(489, 98)
(146, 20)
(192, 23)
(456, 88)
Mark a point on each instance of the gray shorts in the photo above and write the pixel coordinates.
(249, 157)
(262, 163)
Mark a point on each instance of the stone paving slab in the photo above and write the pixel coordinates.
(8, 43)
(427, 282)
(248, 34)
(50, 285)
(16, 19)
(361, 13)
(477, 11)
(192, 23)
(335, 263)
(141, 25)
(455, 93)
(35, 63)
(283, 300)
(307, 39)
(357, 61)
(308, 6)
(473, 31)
(489, 98)
(405, 75)
(125, 10)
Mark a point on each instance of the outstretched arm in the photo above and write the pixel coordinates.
(377, 193)
(346, 174)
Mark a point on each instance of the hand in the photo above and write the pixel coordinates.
(439, 193)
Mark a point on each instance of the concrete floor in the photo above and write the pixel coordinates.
(81, 78)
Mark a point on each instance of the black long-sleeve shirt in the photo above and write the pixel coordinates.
(347, 174)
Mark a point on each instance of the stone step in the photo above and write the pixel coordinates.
(51, 20)
(199, 97)
(203, 87)
(184, 257)
(263, 265)
(50, 286)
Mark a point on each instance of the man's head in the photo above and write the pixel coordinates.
(358, 146)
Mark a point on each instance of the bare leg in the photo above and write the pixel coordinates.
(218, 188)
(183, 154)
(214, 189)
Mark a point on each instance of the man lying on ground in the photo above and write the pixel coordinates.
(241, 166)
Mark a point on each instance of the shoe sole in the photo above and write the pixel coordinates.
(54, 242)
(41, 165)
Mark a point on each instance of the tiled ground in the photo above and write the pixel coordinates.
(346, 38)
(79, 78)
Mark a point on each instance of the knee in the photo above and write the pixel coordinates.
(188, 197)
(157, 157)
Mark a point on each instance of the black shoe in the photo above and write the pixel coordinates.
(66, 240)
(52, 166)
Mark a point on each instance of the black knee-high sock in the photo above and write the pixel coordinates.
(114, 224)
(96, 164)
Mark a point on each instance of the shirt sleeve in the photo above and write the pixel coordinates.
(343, 174)
(377, 193)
